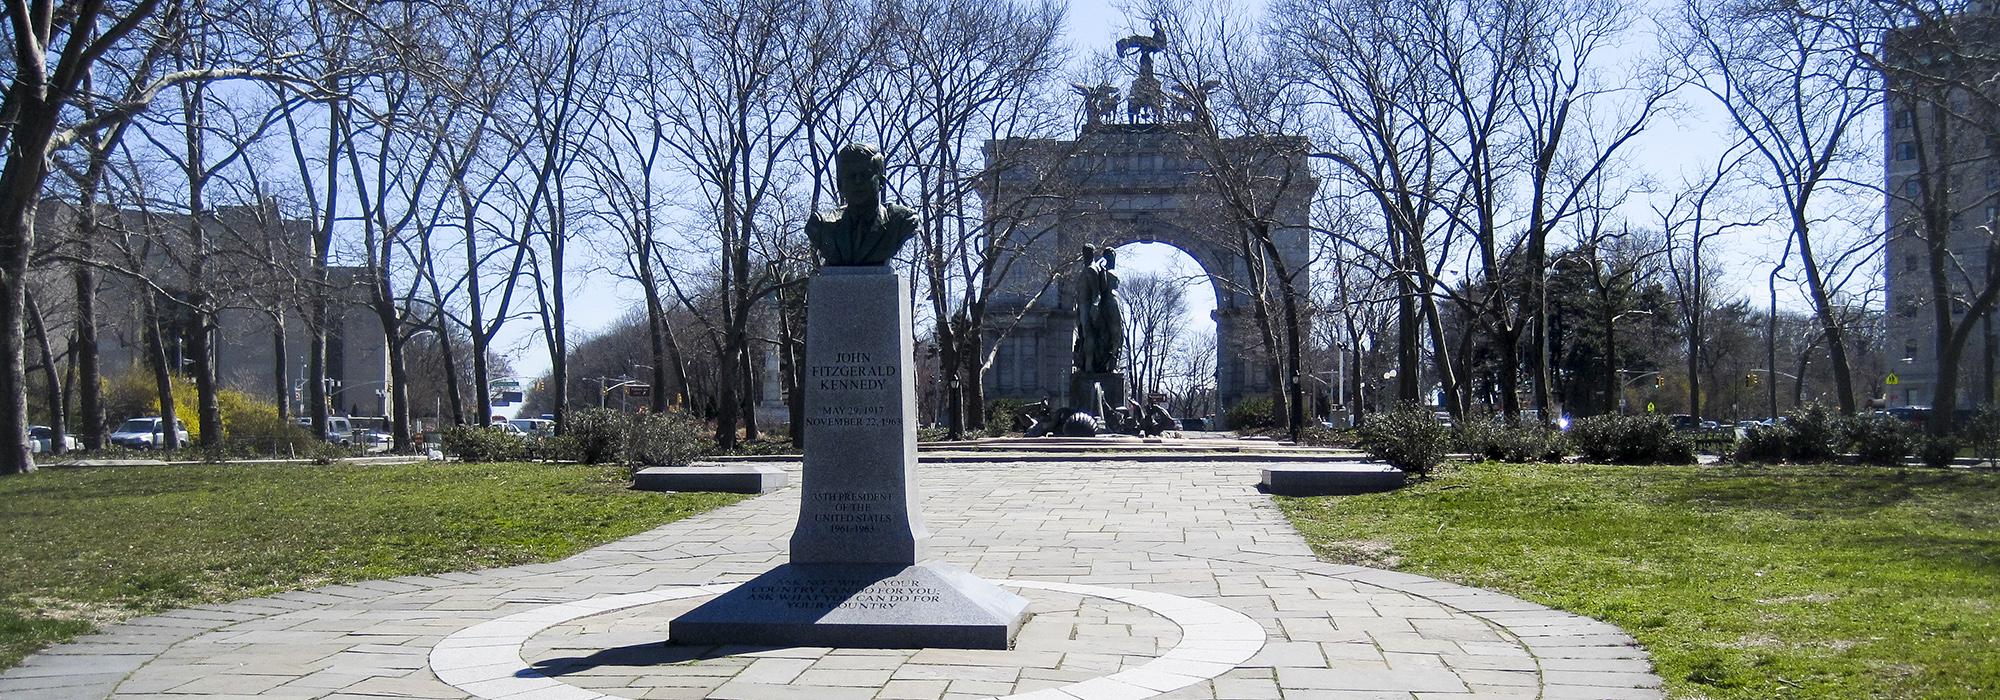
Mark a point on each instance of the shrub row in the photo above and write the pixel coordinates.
(1815, 433)
(592, 436)
(1409, 438)
(1630, 440)
(1501, 442)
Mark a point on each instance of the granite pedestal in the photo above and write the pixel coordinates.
(858, 575)
(1337, 479)
(1112, 384)
(711, 477)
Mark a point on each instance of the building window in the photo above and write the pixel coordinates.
(1902, 119)
(1910, 263)
(1912, 188)
(1906, 150)
(1993, 179)
(1910, 348)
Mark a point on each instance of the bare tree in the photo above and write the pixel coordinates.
(732, 131)
(1700, 211)
(970, 72)
(1188, 375)
(1380, 106)
(1155, 313)
(1792, 88)
(56, 48)
(1260, 174)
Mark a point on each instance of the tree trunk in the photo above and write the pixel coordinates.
(201, 352)
(1294, 341)
(163, 380)
(1441, 348)
(1408, 354)
(20, 193)
(954, 399)
(1694, 345)
(750, 393)
(318, 318)
(973, 378)
(1507, 346)
(201, 362)
(89, 379)
(398, 394)
(1261, 310)
(1612, 398)
(788, 365)
(1836, 336)
(281, 376)
(454, 400)
(725, 403)
(656, 342)
(58, 427)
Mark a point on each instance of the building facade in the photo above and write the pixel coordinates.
(254, 275)
(1942, 186)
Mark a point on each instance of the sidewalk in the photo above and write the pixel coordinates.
(1146, 579)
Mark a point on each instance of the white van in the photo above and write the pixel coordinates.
(339, 430)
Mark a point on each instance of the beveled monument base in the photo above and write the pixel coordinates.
(931, 605)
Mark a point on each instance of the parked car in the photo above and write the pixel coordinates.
(147, 433)
(537, 427)
(40, 440)
(372, 432)
(1917, 416)
(339, 430)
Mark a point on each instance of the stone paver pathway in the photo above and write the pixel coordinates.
(1069, 536)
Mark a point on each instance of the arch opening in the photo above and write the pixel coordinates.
(1170, 353)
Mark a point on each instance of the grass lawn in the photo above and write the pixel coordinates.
(89, 546)
(1743, 582)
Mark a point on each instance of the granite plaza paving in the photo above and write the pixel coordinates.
(1146, 579)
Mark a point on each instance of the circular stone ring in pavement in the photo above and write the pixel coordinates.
(485, 659)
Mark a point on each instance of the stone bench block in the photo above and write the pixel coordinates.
(702, 476)
(1336, 479)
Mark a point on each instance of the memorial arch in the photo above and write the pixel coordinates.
(1119, 183)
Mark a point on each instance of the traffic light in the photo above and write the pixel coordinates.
(1751, 379)
(541, 385)
(1659, 381)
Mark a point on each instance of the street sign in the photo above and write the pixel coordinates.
(1650, 408)
(638, 391)
(505, 385)
(1892, 379)
(1156, 398)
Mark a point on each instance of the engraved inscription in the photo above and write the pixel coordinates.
(854, 388)
(849, 512)
(831, 593)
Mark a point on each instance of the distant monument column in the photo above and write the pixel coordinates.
(858, 575)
